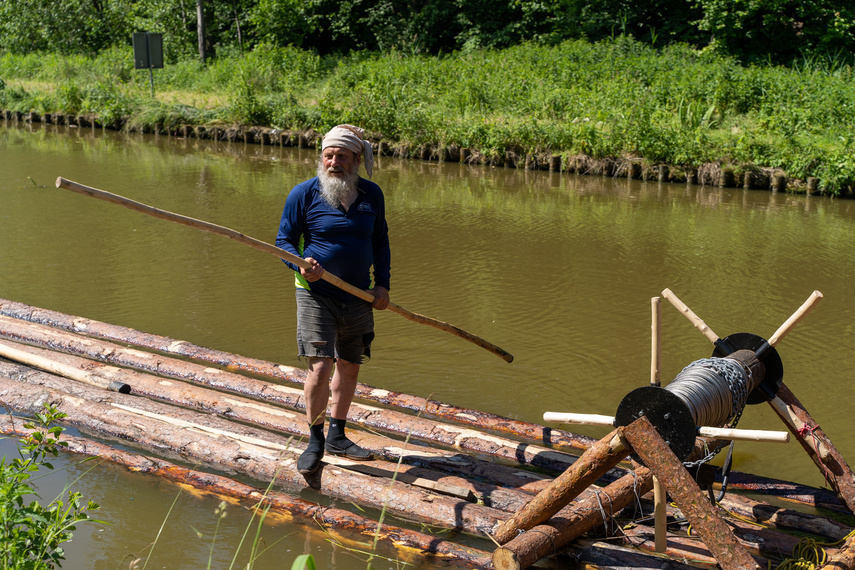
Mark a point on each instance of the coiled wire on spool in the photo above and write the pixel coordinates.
(710, 392)
(714, 389)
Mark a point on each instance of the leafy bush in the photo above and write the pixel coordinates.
(31, 535)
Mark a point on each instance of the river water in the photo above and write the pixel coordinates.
(557, 269)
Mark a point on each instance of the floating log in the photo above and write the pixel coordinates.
(595, 462)
(389, 420)
(11, 352)
(547, 436)
(271, 417)
(607, 555)
(717, 536)
(817, 445)
(124, 356)
(430, 485)
(206, 440)
(843, 558)
(541, 540)
(404, 544)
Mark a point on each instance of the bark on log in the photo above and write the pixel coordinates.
(403, 544)
(817, 444)
(786, 491)
(260, 455)
(542, 540)
(493, 485)
(658, 457)
(25, 314)
(546, 436)
(453, 436)
(784, 519)
(609, 556)
(599, 459)
(843, 559)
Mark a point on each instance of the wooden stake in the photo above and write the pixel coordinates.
(817, 444)
(655, 341)
(281, 254)
(660, 515)
(689, 314)
(703, 431)
(796, 318)
(693, 503)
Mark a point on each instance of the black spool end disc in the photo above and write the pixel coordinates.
(767, 389)
(668, 414)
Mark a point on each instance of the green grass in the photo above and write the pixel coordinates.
(616, 99)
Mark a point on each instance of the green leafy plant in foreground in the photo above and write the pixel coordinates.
(31, 535)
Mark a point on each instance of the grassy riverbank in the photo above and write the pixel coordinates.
(614, 107)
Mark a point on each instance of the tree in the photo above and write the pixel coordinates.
(63, 26)
(200, 29)
(780, 30)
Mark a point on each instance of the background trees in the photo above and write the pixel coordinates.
(775, 31)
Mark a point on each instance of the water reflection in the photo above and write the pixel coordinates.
(557, 269)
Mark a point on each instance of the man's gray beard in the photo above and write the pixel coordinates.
(337, 190)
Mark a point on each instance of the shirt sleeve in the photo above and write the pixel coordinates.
(380, 243)
(292, 226)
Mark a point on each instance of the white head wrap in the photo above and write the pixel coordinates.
(351, 138)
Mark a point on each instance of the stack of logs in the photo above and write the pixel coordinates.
(226, 418)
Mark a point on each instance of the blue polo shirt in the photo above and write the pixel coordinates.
(346, 244)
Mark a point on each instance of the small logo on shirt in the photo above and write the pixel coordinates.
(364, 207)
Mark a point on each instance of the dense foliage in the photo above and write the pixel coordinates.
(32, 534)
(736, 82)
(615, 99)
(751, 30)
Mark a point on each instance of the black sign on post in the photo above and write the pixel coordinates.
(148, 53)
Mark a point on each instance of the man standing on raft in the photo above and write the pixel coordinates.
(336, 222)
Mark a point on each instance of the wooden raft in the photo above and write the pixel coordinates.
(450, 467)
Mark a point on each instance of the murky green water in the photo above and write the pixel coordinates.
(557, 269)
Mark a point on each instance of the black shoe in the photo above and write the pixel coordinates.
(349, 450)
(309, 461)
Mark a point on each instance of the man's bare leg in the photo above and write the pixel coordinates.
(316, 393)
(343, 387)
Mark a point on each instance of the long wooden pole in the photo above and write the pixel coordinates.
(281, 254)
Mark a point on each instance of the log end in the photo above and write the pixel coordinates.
(505, 559)
(119, 387)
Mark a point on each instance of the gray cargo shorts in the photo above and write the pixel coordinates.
(328, 328)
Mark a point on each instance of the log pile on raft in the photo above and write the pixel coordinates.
(506, 493)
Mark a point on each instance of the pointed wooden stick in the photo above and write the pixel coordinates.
(281, 254)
